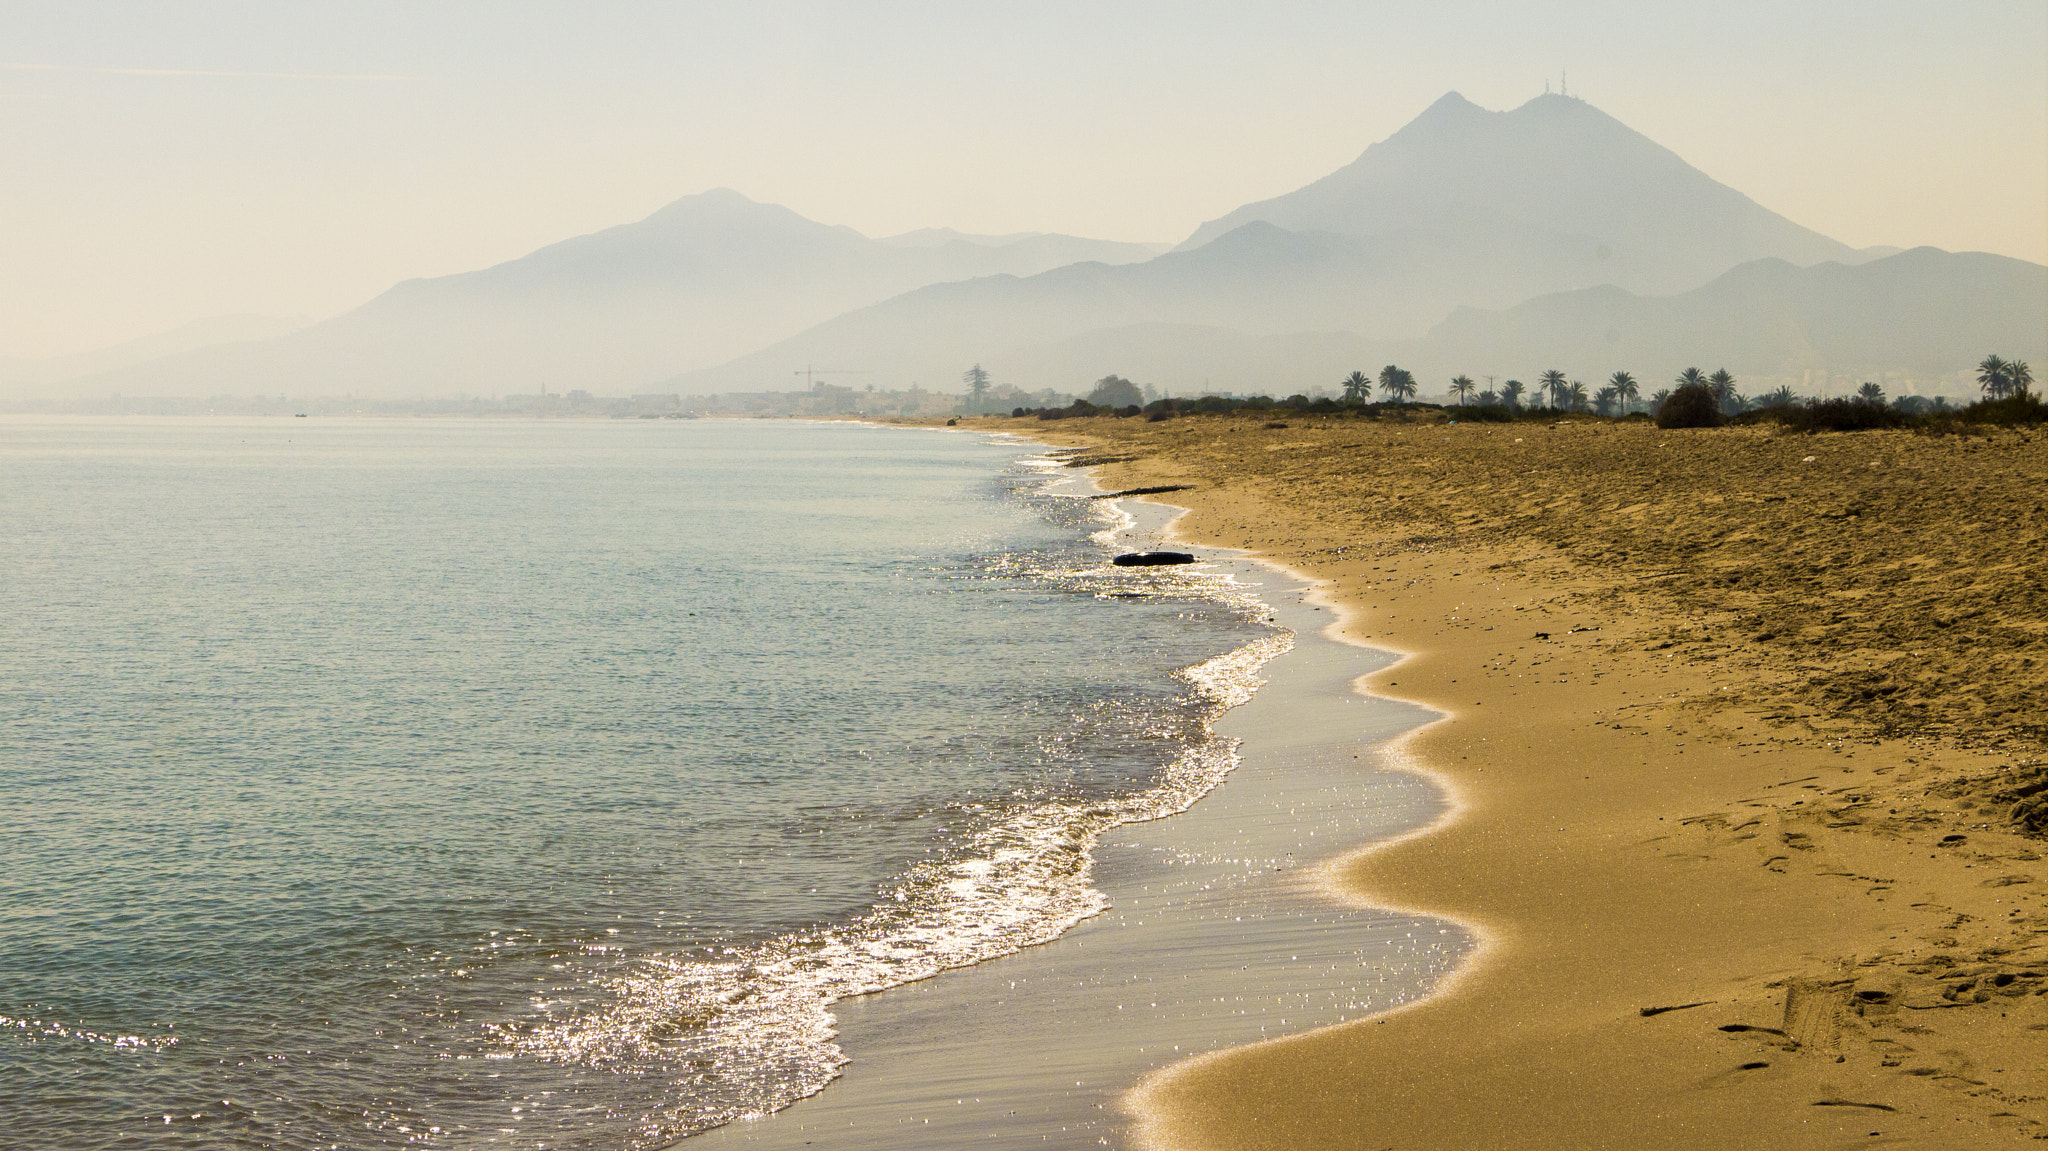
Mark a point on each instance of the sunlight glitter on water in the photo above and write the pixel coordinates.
(752, 1031)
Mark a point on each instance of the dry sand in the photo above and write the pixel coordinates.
(1738, 724)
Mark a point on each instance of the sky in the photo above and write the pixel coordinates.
(165, 161)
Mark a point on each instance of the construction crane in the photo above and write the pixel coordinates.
(808, 372)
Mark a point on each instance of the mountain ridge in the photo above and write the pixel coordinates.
(1924, 314)
(1462, 207)
(700, 280)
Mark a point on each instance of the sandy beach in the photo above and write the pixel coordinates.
(1743, 735)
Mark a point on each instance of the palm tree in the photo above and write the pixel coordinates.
(1575, 396)
(1993, 376)
(1357, 386)
(1461, 387)
(1780, 398)
(1870, 393)
(1724, 390)
(1625, 389)
(1553, 381)
(1397, 384)
(1489, 398)
(1605, 399)
(2020, 376)
(1692, 378)
(1658, 397)
(1511, 393)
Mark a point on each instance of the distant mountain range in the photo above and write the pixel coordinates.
(1925, 313)
(1461, 208)
(207, 333)
(1475, 241)
(702, 280)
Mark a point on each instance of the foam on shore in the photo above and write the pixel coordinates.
(1215, 930)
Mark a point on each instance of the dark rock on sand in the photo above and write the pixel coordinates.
(1152, 559)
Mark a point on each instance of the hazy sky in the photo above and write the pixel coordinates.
(167, 160)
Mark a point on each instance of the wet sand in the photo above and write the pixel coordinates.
(1739, 725)
(1220, 933)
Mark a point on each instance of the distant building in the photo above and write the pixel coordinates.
(655, 404)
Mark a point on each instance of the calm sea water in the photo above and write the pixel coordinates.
(462, 784)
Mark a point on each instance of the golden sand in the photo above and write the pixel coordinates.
(1735, 724)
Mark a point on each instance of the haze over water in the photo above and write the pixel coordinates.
(474, 783)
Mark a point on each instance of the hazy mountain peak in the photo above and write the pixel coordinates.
(719, 194)
(1557, 103)
(1554, 170)
(1448, 105)
(725, 208)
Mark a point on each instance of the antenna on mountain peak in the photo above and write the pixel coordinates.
(1563, 89)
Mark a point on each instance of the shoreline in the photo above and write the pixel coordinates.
(1198, 899)
(1716, 912)
(1149, 1102)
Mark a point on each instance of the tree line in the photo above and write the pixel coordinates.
(1696, 398)
(1622, 394)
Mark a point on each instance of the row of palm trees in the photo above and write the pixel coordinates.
(1622, 394)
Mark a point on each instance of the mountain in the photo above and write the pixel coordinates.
(702, 280)
(1558, 170)
(1461, 208)
(183, 338)
(1924, 313)
(1258, 280)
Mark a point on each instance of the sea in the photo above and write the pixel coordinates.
(545, 784)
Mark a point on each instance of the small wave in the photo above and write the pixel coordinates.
(747, 1030)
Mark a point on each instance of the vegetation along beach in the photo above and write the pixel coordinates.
(1743, 730)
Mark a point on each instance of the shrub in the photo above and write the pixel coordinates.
(1485, 414)
(1842, 414)
(1115, 392)
(1690, 406)
(2024, 408)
